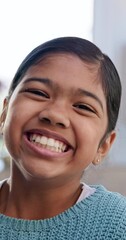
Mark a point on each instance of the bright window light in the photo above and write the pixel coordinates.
(24, 24)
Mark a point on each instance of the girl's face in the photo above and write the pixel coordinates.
(56, 118)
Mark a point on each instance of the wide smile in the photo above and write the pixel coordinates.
(48, 141)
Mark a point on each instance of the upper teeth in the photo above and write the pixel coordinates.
(49, 143)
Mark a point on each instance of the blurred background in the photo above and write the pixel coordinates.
(24, 24)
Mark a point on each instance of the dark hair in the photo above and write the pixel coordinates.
(88, 52)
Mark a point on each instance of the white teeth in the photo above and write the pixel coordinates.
(33, 137)
(57, 146)
(48, 143)
(43, 140)
(60, 144)
(63, 148)
(38, 139)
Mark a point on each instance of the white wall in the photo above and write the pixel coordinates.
(109, 34)
(24, 24)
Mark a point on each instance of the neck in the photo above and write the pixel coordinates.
(37, 199)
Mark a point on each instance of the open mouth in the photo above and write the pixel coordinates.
(49, 143)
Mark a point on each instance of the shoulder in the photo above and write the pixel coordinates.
(106, 211)
(110, 208)
(107, 199)
(104, 202)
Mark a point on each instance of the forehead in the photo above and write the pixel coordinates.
(66, 64)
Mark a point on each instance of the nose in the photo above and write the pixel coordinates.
(55, 115)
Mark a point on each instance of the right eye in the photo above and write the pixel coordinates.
(37, 92)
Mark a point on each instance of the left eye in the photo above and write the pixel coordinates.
(84, 107)
(37, 92)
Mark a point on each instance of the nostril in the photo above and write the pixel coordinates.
(47, 120)
(60, 124)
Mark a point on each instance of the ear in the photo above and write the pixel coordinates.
(4, 113)
(104, 147)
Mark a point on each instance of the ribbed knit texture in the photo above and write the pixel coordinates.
(101, 216)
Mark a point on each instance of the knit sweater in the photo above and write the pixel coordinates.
(100, 216)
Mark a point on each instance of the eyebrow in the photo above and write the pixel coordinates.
(51, 84)
(41, 80)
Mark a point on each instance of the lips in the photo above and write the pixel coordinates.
(47, 140)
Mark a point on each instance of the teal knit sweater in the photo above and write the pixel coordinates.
(100, 216)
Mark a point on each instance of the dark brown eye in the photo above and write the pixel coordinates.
(37, 92)
(84, 107)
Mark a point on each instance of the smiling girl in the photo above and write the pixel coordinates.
(58, 118)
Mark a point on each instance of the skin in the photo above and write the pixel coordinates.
(45, 182)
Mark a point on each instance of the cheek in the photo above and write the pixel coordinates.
(88, 137)
(12, 129)
(18, 113)
(11, 135)
(89, 132)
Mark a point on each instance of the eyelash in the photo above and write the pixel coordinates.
(37, 92)
(84, 107)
